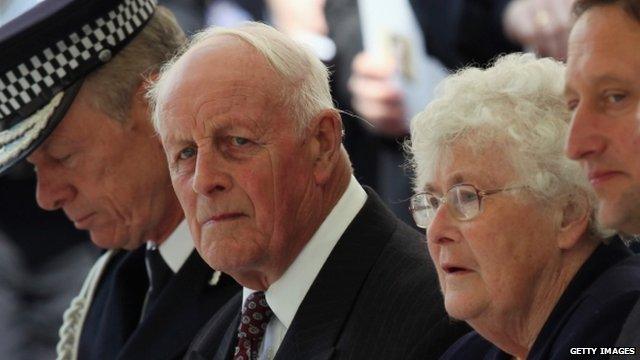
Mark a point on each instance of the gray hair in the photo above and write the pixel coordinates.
(306, 78)
(517, 103)
(115, 83)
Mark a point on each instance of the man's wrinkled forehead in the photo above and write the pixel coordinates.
(605, 23)
(215, 78)
(222, 59)
(630, 7)
(201, 60)
(602, 42)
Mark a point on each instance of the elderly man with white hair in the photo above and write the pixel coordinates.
(511, 221)
(254, 149)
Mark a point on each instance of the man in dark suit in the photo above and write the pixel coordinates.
(72, 101)
(255, 154)
(602, 91)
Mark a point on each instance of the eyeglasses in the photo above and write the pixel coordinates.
(464, 203)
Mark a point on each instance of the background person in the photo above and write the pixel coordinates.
(454, 34)
(601, 92)
(603, 79)
(509, 219)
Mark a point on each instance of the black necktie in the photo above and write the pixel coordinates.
(159, 274)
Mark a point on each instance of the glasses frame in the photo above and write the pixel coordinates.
(443, 201)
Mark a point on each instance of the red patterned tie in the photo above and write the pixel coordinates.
(253, 323)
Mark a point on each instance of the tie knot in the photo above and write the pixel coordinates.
(255, 316)
(253, 324)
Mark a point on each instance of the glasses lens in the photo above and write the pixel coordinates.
(464, 202)
(422, 210)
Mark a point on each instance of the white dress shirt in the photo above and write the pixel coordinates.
(286, 294)
(177, 248)
(174, 251)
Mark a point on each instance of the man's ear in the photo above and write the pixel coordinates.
(574, 221)
(325, 136)
(145, 83)
(139, 111)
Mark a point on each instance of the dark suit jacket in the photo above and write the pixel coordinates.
(630, 334)
(463, 32)
(376, 297)
(112, 329)
(590, 312)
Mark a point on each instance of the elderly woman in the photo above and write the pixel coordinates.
(509, 220)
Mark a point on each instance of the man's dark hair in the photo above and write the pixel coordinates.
(631, 7)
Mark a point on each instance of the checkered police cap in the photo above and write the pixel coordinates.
(46, 52)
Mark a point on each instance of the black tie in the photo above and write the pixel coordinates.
(159, 274)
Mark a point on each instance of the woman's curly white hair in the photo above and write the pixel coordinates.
(516, 103)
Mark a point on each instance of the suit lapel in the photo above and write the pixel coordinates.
(222, 351)
(184, 305)
(115, 310)
(216, 340)
(317, 325)
(227, 345)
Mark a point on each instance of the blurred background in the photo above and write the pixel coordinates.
(386, 59)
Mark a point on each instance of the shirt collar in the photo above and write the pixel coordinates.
(286, 294)
(177, 248)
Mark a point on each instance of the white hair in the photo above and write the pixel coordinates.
(306, 78)
(518, 104)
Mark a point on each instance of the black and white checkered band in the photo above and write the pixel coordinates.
(31, 85)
